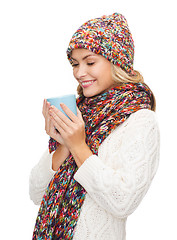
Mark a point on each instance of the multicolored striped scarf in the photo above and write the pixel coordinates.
(63, 199)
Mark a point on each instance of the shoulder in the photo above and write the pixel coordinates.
(136, 138)
(140, 124)
(143, 119)
(143, 115)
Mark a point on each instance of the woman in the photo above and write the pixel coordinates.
(101, 162)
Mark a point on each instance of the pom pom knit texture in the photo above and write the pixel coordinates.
(108, 36)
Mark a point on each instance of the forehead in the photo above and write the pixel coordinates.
(81, 53)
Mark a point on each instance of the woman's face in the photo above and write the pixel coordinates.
(92, 71)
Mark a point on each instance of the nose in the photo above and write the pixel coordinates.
(80, 72)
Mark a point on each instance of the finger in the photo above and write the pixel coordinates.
(61, 116)
(59, 125)
(47, 116)
(47, 106)
(44, 107)
(68, 112)
(54, 133)
(58, 122)
(52, 130)
(47, 124)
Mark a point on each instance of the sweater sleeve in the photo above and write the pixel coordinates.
(119, 187)
(40, 177)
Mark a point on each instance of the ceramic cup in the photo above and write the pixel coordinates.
(68, 100)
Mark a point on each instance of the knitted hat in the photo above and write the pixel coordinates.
(108, 36)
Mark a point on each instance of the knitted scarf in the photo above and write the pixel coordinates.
(63, 199)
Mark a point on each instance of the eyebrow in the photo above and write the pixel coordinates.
(90, 55)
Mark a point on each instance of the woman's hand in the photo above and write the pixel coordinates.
(72, 131)
(49, 126)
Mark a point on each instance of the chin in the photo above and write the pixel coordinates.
(92, 93)
(89, 94)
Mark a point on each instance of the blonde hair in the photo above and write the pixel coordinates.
(120, 77)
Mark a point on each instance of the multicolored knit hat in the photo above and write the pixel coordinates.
(108, 36)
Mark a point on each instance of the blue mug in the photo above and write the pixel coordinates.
(68, 100)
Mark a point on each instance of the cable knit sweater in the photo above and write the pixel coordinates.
(116, 180)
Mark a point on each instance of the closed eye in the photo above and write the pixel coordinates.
(90, 63)
(75, 65)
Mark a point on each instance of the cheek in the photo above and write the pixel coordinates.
(74, 74)
(106, 74)
(97, 72)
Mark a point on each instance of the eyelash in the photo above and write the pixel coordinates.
(89, 64)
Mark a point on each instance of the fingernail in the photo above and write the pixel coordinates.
(50, 111)
(62, 105)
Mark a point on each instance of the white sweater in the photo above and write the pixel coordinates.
(116, 180)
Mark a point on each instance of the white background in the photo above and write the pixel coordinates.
(33, 39)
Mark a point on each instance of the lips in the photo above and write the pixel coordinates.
(85, 84)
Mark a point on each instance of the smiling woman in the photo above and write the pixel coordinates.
(100, 163)
(92, 71)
